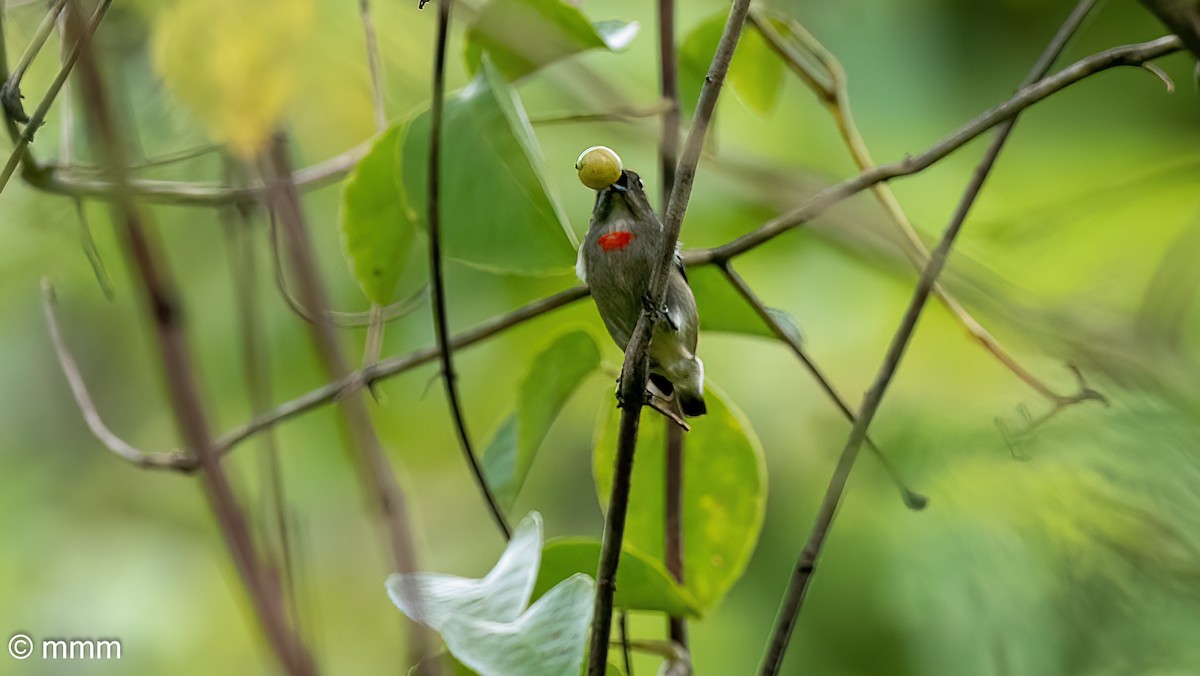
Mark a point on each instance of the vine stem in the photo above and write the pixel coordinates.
(807, 561)
(441, 324)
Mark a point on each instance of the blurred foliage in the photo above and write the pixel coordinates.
(1069, 549)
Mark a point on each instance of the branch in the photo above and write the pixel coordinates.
(635, 370)
(22, 141)
(806, 564)
(114, 443)
(182, 388)
(668, 156)
(441, 324)
(1126, 55)
(912, 499)
(61, 181)
(10, 90)
(831, 88)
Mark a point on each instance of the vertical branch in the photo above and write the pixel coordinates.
(668, 151)
(243, 271)
(668, 142)
(374, 468)
(912, 499)
(441, 324)
(806, 564)
(673, 528)
(182, 388)
(635, 369)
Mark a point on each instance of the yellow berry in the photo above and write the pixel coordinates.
(598, 167)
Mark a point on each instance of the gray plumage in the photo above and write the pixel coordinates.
(616, 261)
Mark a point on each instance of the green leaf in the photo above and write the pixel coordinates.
(723, 309)
(521, 36)
(498, 210)
(376, 223)
(643, 583)
(724, 494)
(755, 74)
(556, 372)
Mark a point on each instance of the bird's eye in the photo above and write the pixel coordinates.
(640, 184)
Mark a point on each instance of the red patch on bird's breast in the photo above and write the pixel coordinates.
(616, 240)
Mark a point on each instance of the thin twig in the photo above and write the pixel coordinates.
(237, 221)
(39, 114)
(166, 159)
(622, 114)
(392, 311)
(1125, 55)
(375, 470)
(182, 387)
(806, 563)
(10, 89)
(912, 499)
(831, 89)
(441, 324)
(354, 381)
(674, 439)
(87, 406)
(635, 370)
(626, 655)
(62, 181)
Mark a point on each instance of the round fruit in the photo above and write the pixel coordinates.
(598, 167)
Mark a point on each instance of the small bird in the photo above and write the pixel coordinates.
(616, 261)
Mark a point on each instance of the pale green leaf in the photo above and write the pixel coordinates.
(376, 222)
(500, 596)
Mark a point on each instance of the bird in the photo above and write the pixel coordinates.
(616, 260)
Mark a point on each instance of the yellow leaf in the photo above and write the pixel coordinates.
(235, 64)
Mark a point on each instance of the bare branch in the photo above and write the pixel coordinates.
(806, 563)
(830, 86)
(912, 499)
(386, 368)
(62, 181)
(375, 470)
(10, 90)
(441, 324)
(1127, 55)
(635, 370)
(83, 399)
